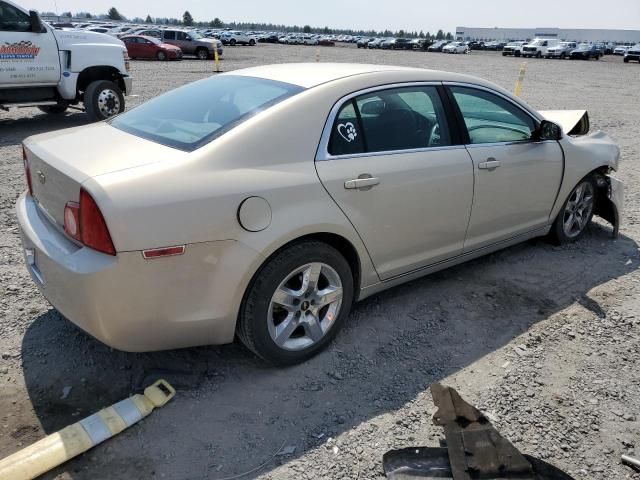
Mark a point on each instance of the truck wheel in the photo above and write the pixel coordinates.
(202, 54)
(103, 99)
(53, 109)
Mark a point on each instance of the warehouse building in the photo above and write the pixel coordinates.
(569, 34)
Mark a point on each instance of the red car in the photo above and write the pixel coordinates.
(141, 46)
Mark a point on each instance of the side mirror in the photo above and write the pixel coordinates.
(36, 23)
(548, 131)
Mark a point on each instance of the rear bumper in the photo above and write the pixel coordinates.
(134, 304)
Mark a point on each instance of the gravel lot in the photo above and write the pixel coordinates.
(544, 339)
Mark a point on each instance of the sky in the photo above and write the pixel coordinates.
(408, 15)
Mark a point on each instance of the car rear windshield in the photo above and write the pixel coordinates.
(192, 116)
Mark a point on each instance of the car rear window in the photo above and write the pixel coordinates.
(194, 115)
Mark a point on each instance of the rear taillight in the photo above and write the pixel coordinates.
(27, 170)
(84, 222)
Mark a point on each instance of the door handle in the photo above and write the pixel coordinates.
(363, 182)
(490, 164)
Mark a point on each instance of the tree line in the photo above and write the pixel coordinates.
(187, 20)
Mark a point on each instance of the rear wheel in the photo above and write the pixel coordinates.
(103, 99)
(576, 213)
(296, 303)
(53, 109)
(202, 54)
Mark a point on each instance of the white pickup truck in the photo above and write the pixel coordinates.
(54, 69)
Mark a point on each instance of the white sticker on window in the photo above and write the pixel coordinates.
(347, 131)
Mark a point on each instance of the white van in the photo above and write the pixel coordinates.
(539, 46)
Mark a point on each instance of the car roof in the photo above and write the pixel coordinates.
(308, 75)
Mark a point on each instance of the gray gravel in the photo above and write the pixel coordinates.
(544, 339)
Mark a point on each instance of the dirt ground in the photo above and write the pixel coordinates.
(543, 338)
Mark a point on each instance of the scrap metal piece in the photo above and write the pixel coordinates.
(475, 449)
(631, 461)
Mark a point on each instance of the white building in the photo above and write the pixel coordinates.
(569, 34)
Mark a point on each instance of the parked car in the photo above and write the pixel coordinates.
(474, 45)
(192, 43)
(396, 44)
(364, 42)
(562, 50)
(632, 54)
(236, 37)
(326, 42)
(139, 46)
(495, 46)
(152, 32)
(438, 46)
(274, 240)
(376, 43)
(309, 40)
(538, 47)
(586, 52)
(621, 50)
(269, 38)
(513, 48)
(456, 47)
(419, 44)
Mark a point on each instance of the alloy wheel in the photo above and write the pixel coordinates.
(578, 210)
(305, 306)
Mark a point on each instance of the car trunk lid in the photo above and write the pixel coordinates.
(60, 162)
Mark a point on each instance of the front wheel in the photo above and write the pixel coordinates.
(232, 42)
(539, 55)
(162, 56)
(103, 99)
(297, 303)
(576, 213)
(252, 42)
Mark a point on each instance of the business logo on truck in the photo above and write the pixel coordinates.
(18, 51)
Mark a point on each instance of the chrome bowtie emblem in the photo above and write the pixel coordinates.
(41, 177)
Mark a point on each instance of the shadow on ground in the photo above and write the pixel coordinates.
(33, 122)
(233, 412)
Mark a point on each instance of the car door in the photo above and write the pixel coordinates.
(147, 48)
(26, 57)
(388, 158)
(169, 36)
(132, 46)
(185, 42)
(517, 178)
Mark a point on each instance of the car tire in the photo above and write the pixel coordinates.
(103, 99)
(260, 316)
(252, 42)
(53, 109)
(577, 201)
(563, 56)
(626, 60)
(202, 54)
(539, 55)
(162, 56)
(232, 42)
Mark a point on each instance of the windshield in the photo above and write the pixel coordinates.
(196, 35)
(192, 116)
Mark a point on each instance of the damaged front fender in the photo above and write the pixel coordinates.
(610, 201)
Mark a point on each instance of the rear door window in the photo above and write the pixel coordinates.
(168, 35)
